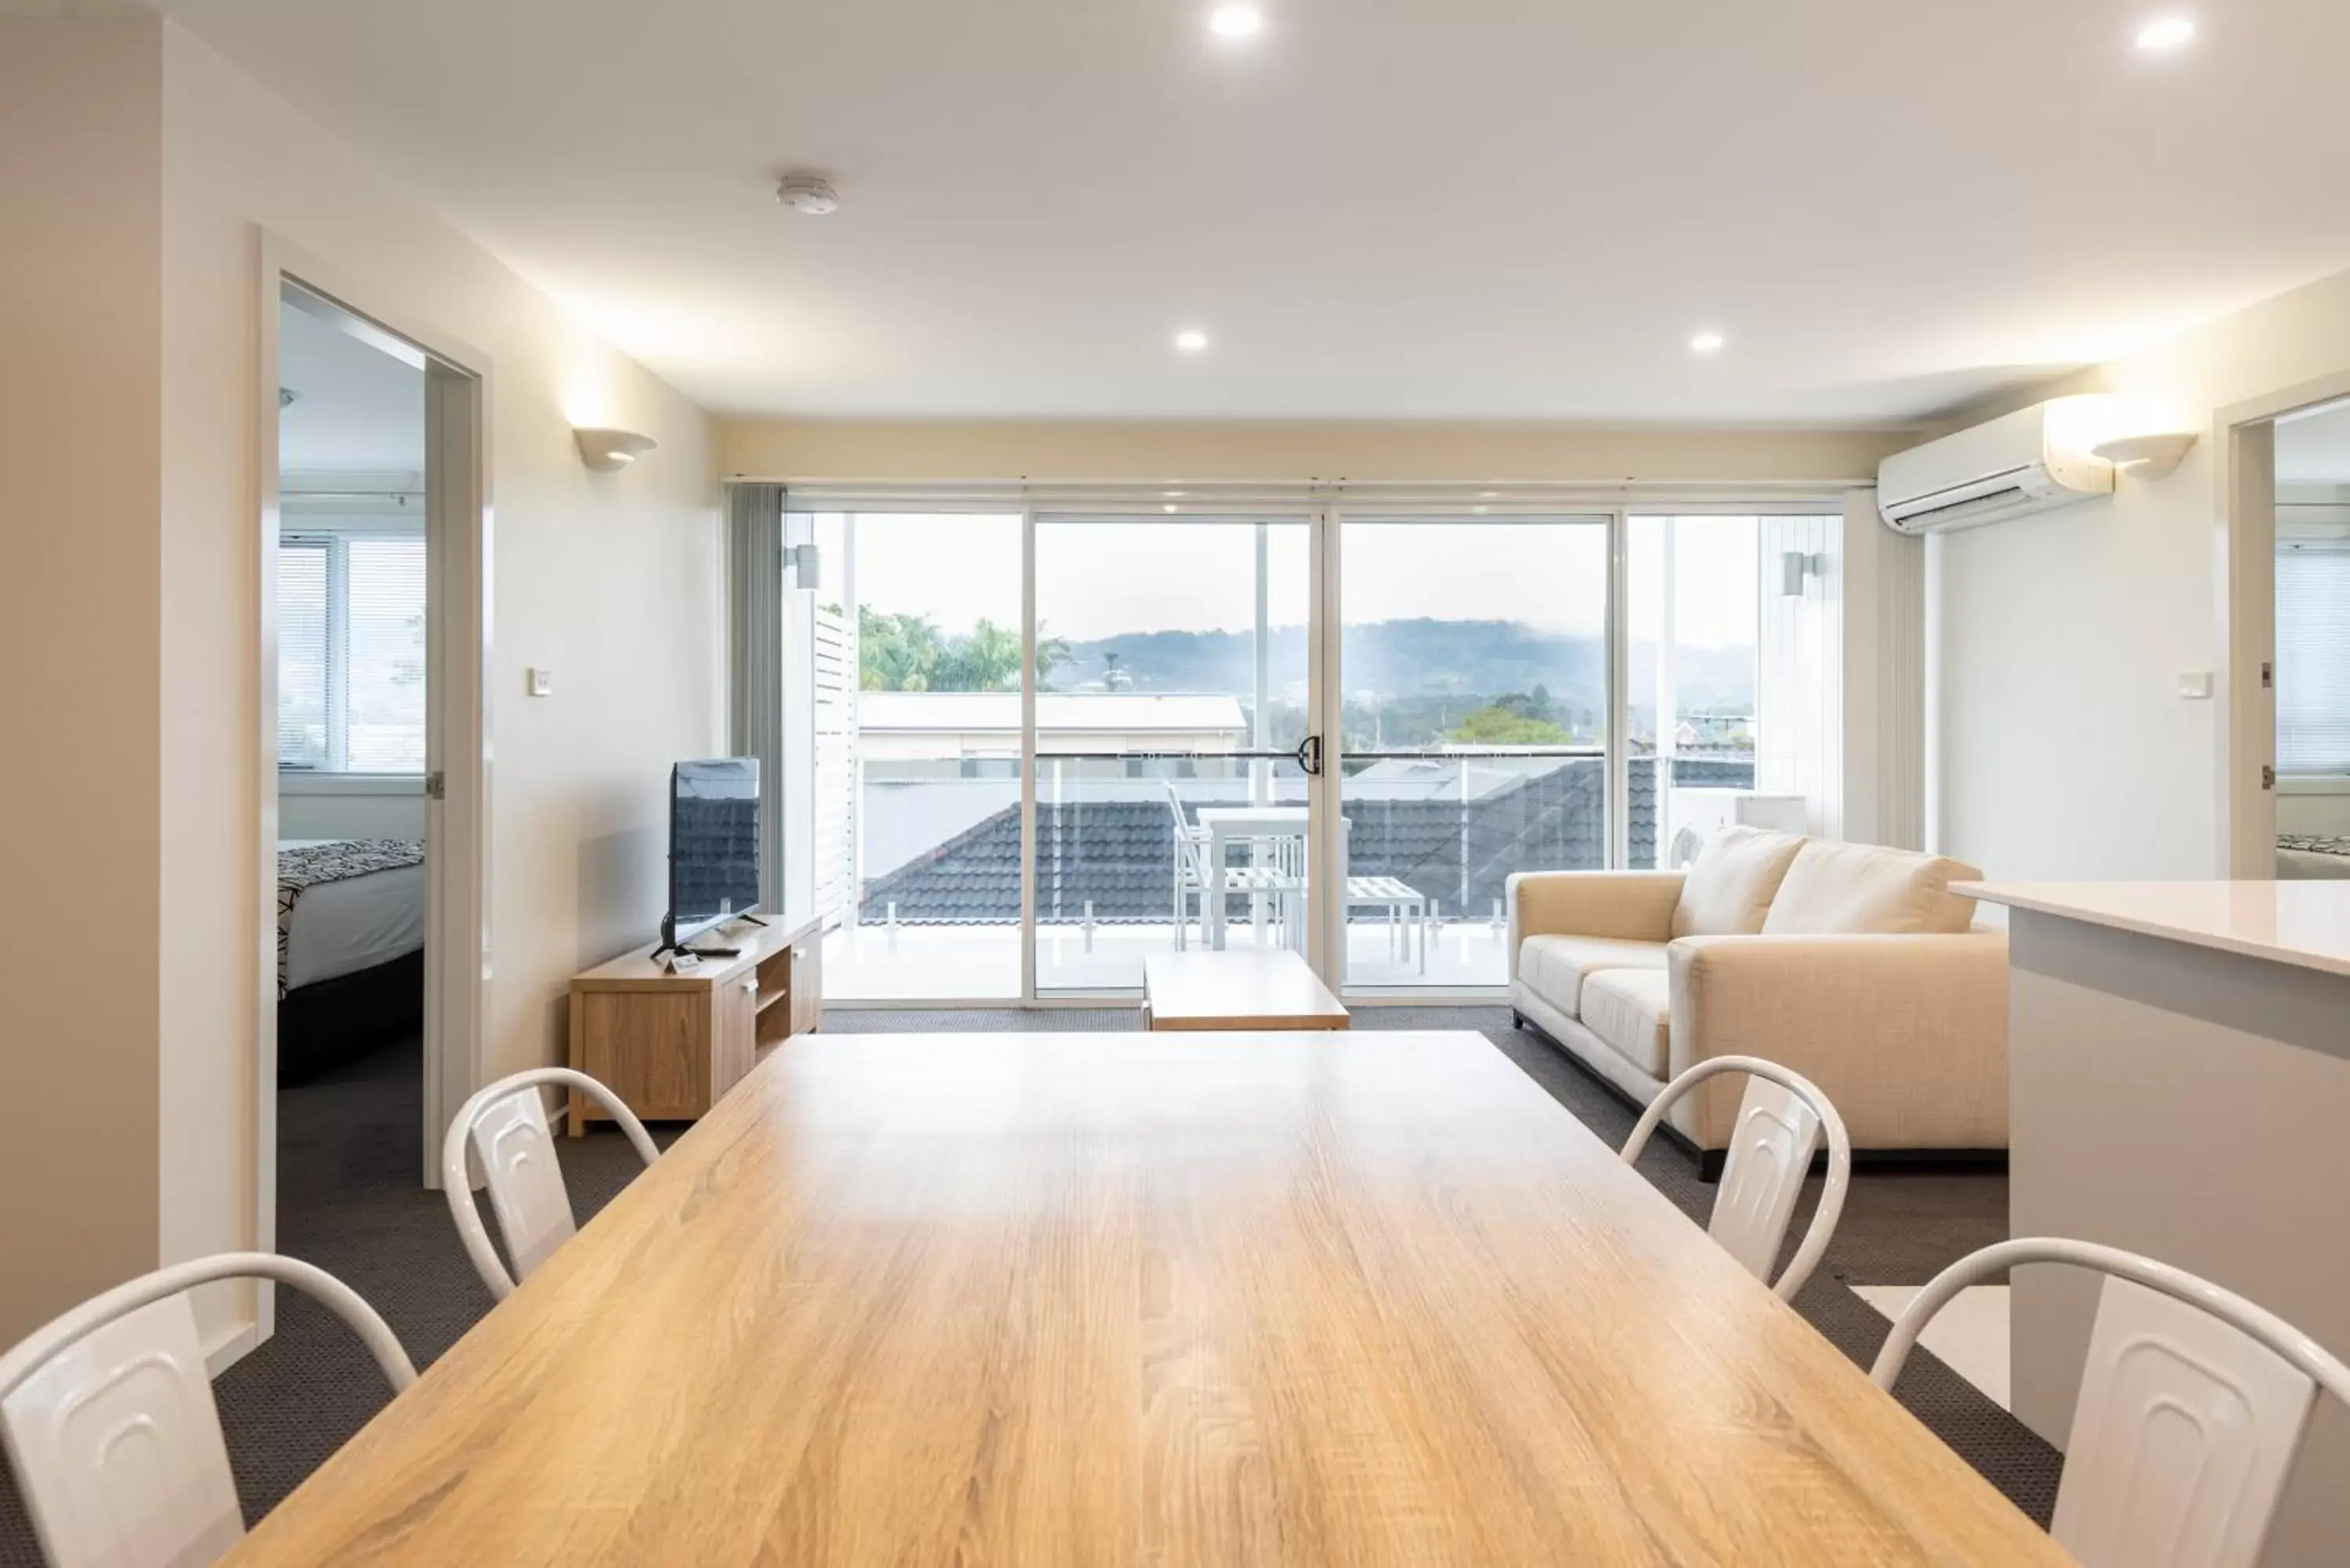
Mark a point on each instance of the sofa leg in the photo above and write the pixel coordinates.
(1517, 1019)
(1709, 1162)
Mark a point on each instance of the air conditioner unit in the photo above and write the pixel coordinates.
(2026, 461)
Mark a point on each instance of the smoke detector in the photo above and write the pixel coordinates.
(811, 195)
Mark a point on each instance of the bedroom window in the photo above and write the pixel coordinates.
(351, 652)
(2312, 632)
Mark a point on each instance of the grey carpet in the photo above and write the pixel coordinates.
(349, 1159)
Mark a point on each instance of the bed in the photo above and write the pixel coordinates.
(2300, 858)
(351, 949)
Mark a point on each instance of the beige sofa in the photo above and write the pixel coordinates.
(1854, 965)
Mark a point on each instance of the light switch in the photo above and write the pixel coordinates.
(2195, 684)
(541, 682)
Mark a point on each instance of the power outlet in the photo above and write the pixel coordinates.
(541, 682)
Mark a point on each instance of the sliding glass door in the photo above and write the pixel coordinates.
(1053, 739)
(1474, 697)
(1174, 693)
(923, 757)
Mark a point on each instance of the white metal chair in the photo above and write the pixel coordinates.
(1190, 866)
(505, 1123)
(108, 1416)
(2192, 1408)
(1770, 1147)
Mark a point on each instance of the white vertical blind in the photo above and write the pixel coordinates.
(350, 632)
(1799, 688)
(302, 739)
(2313, 631)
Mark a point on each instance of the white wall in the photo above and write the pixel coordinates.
(2062, 747)
(612, 580)
(81, 171)
(1111, 451)
(148, 168)
(349, 807)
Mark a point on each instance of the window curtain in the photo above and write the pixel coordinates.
(755, 538)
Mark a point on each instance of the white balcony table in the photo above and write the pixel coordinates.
(1225, 824)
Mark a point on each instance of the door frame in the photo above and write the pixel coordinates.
(2243, 444)
(458, 400)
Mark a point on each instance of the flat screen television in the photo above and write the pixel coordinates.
(713, 846)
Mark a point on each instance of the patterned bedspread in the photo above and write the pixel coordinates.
(2308, 846)
(311, 865)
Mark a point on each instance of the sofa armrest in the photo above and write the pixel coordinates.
(1628, 906)
(1907, 1034)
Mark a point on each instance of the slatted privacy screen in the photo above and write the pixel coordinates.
(2313, 685)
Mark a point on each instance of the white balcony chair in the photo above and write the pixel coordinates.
(507, 1125)
(2228, 1384)
(1190, 866)
(110, 1424)
(1770, 1153)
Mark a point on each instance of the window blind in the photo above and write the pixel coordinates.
(384, 694)
(302, 739)
(2313, 628)
(350, 653)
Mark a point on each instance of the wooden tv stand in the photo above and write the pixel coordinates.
(671, 1044)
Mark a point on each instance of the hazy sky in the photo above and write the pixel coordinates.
(1098, 579)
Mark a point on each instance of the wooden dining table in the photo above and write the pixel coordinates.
(1111, 1299)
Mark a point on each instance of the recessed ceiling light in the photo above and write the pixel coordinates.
(2167, 33)
(1236, 21)
(1192, 341)
(1171, 508)
(1489, 495)
(1706, 343)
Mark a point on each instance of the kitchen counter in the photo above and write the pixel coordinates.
(2179, 1081)
(2306, 924)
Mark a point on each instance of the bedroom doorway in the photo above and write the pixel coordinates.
(2284, 780)
(373, 545)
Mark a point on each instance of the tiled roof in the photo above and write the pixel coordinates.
(1119, 854)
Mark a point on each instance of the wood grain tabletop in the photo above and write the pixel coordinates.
(1109, 1299)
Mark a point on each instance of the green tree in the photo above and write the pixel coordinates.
(896, 652)
(1497, 724)
(985, 659)
(1051, 653)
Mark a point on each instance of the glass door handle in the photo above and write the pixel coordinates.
(1309, 755)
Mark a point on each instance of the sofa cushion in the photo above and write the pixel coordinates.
(1556, 968)
(1631, 1009)
(1850, 888)
(1730, 888)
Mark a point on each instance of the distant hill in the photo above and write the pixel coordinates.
(1401, 660)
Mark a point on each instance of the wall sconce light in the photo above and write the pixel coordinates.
(609, 450)
(807, 566)
(1795, 568)
(2154, 456)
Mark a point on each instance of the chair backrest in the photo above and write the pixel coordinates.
(2193, 1409)
(108, 1416)
(1778, 1128)
(505, 1125)
(1187, 841)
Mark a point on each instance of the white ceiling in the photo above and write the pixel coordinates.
(1489, 209)
(359, 410)
(2315, 447)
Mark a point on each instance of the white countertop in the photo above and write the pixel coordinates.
(2306, 924)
